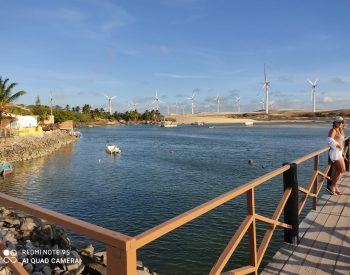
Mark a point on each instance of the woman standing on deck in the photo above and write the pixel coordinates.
(336, 140)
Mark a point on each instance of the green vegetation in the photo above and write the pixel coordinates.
(7, 97)
(86, 114)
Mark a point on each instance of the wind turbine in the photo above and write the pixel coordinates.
(313, 91)
(266, 86)
(176, 107)
(109, 106)
(168, 106)
(262, 102)
(156, 101)
(217, 100)
(183, 109)
(134, 105)
(238, 102)
(192, 100)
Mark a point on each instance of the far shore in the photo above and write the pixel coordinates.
(232, 118)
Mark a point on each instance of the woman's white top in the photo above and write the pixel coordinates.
(335, 153)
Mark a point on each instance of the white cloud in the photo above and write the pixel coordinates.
(96, 20)
(327, 99)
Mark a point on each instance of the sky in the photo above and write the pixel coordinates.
(83, 49)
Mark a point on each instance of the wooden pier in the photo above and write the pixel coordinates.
(324, 246)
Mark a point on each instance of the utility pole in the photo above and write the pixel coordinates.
(51, 100)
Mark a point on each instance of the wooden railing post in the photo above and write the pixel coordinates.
(314, 199)
(290, 180)
(252, 230)
(347, 154)
(121, 261)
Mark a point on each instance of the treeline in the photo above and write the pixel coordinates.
(88, 114)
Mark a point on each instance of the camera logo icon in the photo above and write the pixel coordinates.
(10, 256)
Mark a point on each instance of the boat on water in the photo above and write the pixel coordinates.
(249, 123)
(6, 169)
(112, 149)
(199, 123)
(168, 124)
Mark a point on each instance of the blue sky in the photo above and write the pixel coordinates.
(81, 50)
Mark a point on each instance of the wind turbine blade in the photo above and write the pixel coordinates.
(310, 82)
(265, 72)
(106, 96)
(113, 97)
(315, 82)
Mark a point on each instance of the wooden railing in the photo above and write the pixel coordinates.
(121, 249)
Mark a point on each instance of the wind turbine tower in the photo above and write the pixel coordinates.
(313, 91)
(176, 107)
(109, 103)
(266, 86)
(217, 100)
(192, 100)
(262, 102)
(238, 102)
(156, 101)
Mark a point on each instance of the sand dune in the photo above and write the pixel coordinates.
(206, 118)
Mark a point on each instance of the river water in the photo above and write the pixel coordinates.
(163, 172)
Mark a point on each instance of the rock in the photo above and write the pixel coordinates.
(39, 267)
(10, 237)
(47, 232)
(26, 235)
(74, 267)
(5, 271)
(13, 222)
(101, 257)
(2, 264)
(47, 270)
(96, 268)
(28, 224)
(29, 268)
(88, 251)
(4, 211)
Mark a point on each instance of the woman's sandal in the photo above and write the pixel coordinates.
(338, 192)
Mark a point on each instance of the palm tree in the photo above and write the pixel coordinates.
(6, 96)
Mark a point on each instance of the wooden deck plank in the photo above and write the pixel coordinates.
(319, 247)
(343, 261)
(297, 259)
(324, 239)
(333, 249)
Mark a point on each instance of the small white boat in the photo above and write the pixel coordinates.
(249, 123)
(198, 123)
(112, 149)
(168, 124)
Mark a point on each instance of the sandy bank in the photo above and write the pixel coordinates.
(210, 118)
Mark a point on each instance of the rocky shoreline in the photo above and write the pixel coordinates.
(44, 248)
(16, 149)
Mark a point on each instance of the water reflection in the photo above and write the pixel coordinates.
(29, 178)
